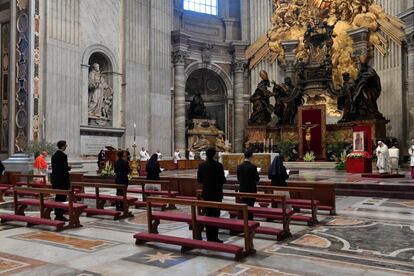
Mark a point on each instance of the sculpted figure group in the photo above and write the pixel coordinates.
(287, 101)
(359, 98)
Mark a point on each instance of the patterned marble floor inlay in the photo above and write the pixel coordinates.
(10, 264)
(159, 258)
(248, 270)
(66, 241)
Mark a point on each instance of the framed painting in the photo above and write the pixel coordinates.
(358, 140)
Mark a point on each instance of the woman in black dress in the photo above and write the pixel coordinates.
(277, 172)
(153, 168)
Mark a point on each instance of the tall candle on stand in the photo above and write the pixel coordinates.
(135, 132)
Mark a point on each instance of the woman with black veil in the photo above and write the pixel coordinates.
(277, 172)
(153, 168)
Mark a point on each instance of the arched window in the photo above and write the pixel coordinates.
(203, 6)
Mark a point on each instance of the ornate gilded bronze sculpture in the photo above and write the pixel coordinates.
(287, 100)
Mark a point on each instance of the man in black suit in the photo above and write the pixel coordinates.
(248, 178)
(122, 170)
(60, 176)
(211, 175)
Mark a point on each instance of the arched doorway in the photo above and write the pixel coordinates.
(213, 91)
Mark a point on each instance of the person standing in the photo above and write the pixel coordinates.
(122, 170)
(40, 165)
(159, 155)
(143, 155)
(101, 160)
(248, 178)
(383, 158)
(277, 172)
(2, 169)
(177, 156)
(60, 176)
(411, 153)
(211, 175)
(153, 168)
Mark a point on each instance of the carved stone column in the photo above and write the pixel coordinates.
(178, 57)
(410, 85)
(239, 120)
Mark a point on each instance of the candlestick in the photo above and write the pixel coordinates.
(135, 131)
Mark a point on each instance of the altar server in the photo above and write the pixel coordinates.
(159, 155)
(177, 156)
(411, 153)
(143, 155)
(383, 158)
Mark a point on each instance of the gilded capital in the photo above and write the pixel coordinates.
(239, 66)
(178, 57)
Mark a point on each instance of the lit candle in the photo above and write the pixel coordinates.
(135, 131)
(271, 145)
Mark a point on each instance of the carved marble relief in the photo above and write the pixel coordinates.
(4, 84)
(22, 75)
(36, 74)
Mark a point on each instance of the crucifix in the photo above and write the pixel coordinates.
(308, 136)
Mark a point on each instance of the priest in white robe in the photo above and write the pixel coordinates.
(143, 155)
(177, 156)
(383, 158)
(411, 153)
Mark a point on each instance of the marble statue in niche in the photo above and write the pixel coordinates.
(100, 97)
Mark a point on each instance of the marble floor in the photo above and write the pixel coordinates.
(369, 236)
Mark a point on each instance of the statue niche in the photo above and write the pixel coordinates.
(100, 93)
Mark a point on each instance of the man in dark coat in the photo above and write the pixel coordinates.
(60, 176)
(211, 175)
(122, 170)
(248, 178)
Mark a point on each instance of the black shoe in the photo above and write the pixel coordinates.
(61, 218)
(216, 240)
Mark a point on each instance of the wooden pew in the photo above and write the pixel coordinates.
(46, 206)
(149, 192)
(283, 214)
(27, 180)
(101, 199)
(311, 203)
(324, 192)
(196, 220)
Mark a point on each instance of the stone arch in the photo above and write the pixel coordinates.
(215, 68)
(98, 48)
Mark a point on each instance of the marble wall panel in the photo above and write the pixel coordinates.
(64, 94)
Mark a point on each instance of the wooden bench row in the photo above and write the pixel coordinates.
(197, 222)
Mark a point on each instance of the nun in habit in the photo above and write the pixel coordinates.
(277, 172)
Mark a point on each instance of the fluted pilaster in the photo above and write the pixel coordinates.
(178, 57)
(239, 120)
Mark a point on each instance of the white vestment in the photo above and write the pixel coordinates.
(383, 159)
(143, 155)
(411, 153)
(191, 155)
(177, 157)
(203, 155)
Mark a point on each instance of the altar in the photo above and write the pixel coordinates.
(260, 160)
